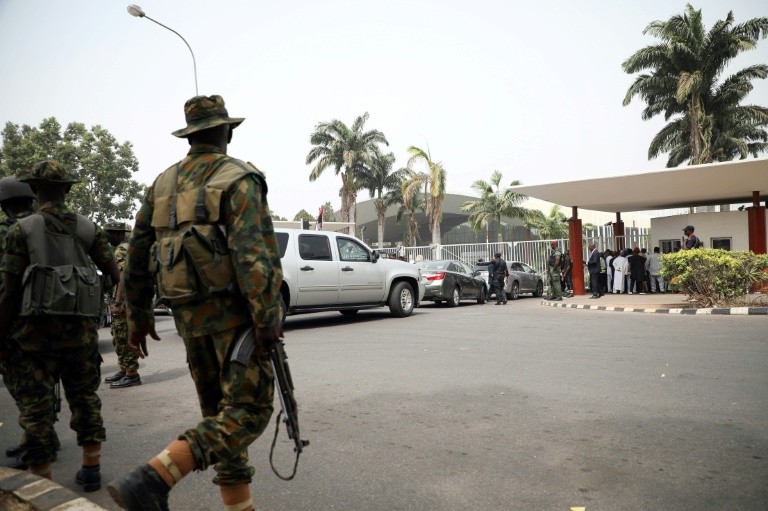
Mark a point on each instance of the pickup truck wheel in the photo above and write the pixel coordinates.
(283, 309)
(401, 300)
(349, 312)
(481, 299)
(455, 298)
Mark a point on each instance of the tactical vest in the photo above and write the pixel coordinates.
(60, 280)
(190, 258)
(552, 256)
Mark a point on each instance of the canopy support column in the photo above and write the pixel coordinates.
(576, 250)
(618, 233)
(756, 225)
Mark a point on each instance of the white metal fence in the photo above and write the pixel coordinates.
(533, 253)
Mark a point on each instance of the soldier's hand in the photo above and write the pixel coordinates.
(270, 335)
(137, 341)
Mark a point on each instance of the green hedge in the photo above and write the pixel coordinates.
(715, 277)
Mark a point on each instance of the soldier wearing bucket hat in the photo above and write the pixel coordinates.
(215, 208)
(127, 361)
(55, 335)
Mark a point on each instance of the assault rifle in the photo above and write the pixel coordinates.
(289, 412)
(283, 385)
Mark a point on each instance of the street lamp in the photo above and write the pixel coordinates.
(135, 10)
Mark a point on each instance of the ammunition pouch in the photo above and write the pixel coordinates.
(60, 280)
(190, 259)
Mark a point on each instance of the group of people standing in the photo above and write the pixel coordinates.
(632, 271)
(204, 241)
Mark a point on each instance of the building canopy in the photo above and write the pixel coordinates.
(695, 185)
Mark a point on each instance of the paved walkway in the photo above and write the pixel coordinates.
(661, 303)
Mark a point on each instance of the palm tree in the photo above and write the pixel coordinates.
(494, 203)
(552, 226)
(434, 183)
(378, 178)
(709, 122)
(407, 209)
(347, 150)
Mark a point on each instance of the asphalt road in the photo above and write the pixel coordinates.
(516, 407)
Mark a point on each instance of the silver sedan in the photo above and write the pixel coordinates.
(451, 281)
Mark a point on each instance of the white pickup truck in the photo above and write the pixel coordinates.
(324, 270)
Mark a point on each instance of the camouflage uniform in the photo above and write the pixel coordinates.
(554, 273)
(5, 367)
(235, 400)
(126, 359)
(44, 346)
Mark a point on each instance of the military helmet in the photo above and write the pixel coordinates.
(117, 226)
(11, 188)
(47, 171)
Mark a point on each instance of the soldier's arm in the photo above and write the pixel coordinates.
(255, 255)
(137, 281)
(13, 260)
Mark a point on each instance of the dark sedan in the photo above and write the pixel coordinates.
(451, 281)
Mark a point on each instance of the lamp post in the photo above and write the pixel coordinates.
(135, 10)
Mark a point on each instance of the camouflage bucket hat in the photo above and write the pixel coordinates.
(203, 112)
(117, 226)
(49, 171)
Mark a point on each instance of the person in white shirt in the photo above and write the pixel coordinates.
(620, 270)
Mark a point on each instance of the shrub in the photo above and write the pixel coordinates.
(715, 277)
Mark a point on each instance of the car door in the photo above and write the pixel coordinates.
(318, 271)
(361, 280)
(469, 288)
(532, 277)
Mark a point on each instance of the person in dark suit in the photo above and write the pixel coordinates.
(593, 266)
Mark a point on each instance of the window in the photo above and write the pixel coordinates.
(721, 243)
(350, 250)
(669, 246)
(282, 242)
(516, 267)
(314, 247)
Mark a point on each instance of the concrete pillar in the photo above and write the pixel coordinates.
(576, 250)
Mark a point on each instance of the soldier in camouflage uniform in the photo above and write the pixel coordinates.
(205, 217)
(555, 273)
(16, 200)
(42, 345)
(127, 361)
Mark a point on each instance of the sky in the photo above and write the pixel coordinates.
(532, 89)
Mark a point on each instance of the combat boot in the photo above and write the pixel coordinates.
(126, 381)
(14, 452)
(143, 489)
(18, 464)
(89, 478)
(115, 377)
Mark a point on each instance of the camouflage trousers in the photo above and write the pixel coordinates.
(236, 401)
(80, 372)
(10, 383)
(126, 359)
(555, 289)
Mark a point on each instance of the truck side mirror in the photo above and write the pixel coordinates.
(375, 256)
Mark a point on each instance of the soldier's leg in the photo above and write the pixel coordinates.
(80, 376)
(127, 360)
(35, 371)
(243, 410)
(557, 292)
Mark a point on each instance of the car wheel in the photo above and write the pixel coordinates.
(481, 299)
(401, 300)
(349, 312)
(539, 289)
(455, 297)
(514, 293)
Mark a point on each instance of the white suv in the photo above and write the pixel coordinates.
(325, 270)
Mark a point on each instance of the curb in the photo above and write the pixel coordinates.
(24, 491)
(724, 311)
